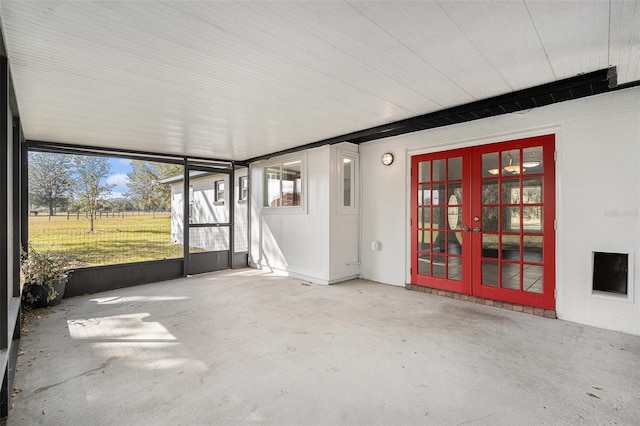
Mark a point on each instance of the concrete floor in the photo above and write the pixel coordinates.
(246, 347)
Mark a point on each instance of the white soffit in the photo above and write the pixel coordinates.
(235, 80)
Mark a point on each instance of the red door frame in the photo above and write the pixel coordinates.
(472, 241)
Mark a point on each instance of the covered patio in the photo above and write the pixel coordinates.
(246, 346)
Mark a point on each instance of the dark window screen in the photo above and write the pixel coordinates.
(610, 272)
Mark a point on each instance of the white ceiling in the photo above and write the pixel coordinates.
(235, 80)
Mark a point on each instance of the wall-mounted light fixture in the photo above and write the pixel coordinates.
(387, 159)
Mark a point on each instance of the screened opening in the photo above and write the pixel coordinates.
(101, 210)
(610, 272)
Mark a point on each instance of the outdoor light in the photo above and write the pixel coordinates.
(387, 159)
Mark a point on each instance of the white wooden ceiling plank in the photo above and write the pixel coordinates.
(106, 60)
(298, 125)
(505, 37)
(625, 40)
(275, 70)
(343, 26)
(238, 79)
(427, 30)
(271, 32)
(574, 34)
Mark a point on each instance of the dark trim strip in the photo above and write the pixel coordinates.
(5, 242)
(95, 279)
(588, 84)
(66, 148)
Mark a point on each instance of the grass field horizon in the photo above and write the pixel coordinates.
(131, 238)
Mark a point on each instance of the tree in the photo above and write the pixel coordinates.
(90, 172)
(144, 187)
(50, 182)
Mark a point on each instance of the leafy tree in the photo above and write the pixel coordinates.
(144, 187)
(50, 182)
(90, 172)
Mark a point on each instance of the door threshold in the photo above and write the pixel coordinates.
(540, 312)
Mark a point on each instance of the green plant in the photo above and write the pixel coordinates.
(39, 271)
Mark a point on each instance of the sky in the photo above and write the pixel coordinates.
(119, 169)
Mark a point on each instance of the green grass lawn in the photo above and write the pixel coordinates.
(114, 240)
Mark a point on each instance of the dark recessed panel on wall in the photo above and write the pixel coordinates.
(610, 272)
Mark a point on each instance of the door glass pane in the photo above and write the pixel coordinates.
(424, 171)
(511, 276)
(490, 165)
(438, 194)
(440, 243)
(532, 190)
(424, 240)
(454, 268)
(454, 208)
(490, 273)
(424, 217)
(511, 163)
(511, 247)
(455, 243)
(511, 191)
(438, 218)
(439, 170)
(490, 245)
(533, 219)
(532, 279)
(424, 265)
(455, 168)
(424, 195)
(532, 249)
(511, 219)
(490, 219)
(490, 192)
(532, 160)
(439, 266)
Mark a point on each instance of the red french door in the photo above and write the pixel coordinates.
(482, 221)
(440, 200)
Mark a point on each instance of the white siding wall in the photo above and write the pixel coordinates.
(296, 244)
(598, 190)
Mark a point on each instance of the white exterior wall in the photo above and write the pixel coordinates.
(294, 242)
(597, 206)
(319, 242)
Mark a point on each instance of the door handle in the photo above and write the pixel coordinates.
(476, 229)
(465, 228)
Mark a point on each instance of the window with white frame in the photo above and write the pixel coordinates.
(347, 177)
(219, 194)
(283, 185)
(243, 183)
